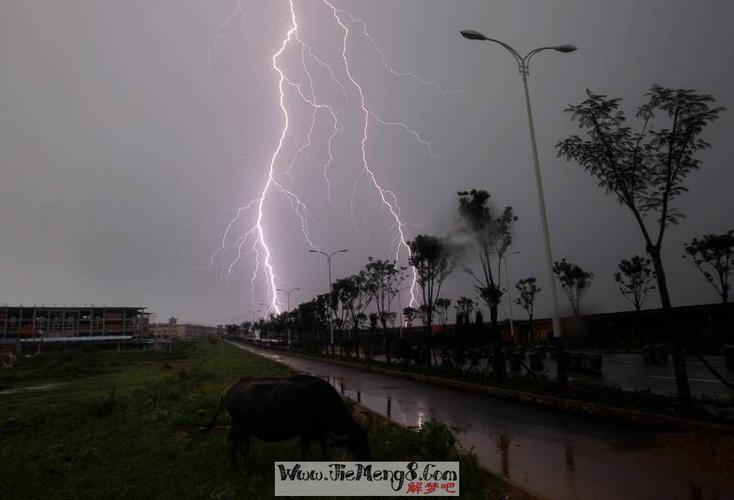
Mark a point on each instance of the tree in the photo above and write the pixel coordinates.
(492, 235)
(373, 317)
(409, 313)
(313, 318)
(574, 281)
(432, 262)
(713, 255)
(529, 290)
(646, 169)
(380, 281)
(634, 279)
(442, 305)
(423, 314)
(354, 299)
(340, 313)
(465, 306)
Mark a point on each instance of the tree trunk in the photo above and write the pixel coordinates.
(531, 340)
(429, 333)
(679, 362)
(499, 360)
(355, 336)
(386, 340)
(638, 329)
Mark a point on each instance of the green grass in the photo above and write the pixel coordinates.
(123, 425)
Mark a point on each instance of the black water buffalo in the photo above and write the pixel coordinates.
(280, 409)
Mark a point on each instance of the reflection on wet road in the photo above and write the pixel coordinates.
(556, 454)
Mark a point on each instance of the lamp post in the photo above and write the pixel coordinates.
(288, 292)
(328, 260)
(523, 66)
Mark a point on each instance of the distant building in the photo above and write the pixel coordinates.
(48, 324)
(702, 326)
(183, 331)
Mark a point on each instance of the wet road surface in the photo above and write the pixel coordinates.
(550, 452)
(629, 372)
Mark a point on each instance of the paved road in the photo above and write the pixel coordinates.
(557, 454)
(629, 372)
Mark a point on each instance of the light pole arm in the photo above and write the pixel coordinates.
(523, 62)
(530, 54)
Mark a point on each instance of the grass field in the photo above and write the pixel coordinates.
(123, 425)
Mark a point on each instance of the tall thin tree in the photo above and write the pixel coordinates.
(432, 261)
(634, 279)
(492, 235)
(713, 255)
(575, 282)
(528, 292)
(646, 170)
(381, 280)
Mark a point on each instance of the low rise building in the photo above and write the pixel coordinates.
(42, 322)
(183, 331)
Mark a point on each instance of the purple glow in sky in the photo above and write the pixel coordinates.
(257, 232)
(144, 141)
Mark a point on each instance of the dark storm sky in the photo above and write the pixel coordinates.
(128, 138)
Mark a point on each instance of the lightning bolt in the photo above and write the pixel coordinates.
(256, 234)
(271, 169)
(388, 66)
(238, 12)
(388, 197)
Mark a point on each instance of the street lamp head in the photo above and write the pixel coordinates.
(343, 250)
(472, 35)
(565, 48)
(313, 251)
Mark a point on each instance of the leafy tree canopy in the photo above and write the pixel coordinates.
(713, 255)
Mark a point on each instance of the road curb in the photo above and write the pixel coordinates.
(623, 415)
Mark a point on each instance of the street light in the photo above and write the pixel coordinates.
(288, 292)
(523, 66)
(328, 260)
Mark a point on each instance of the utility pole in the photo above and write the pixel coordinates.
(328, 260)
